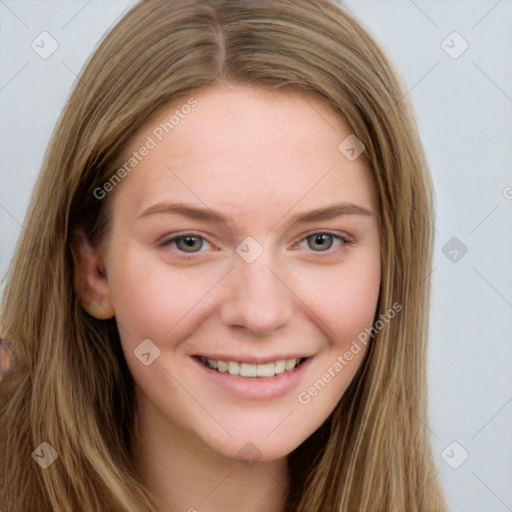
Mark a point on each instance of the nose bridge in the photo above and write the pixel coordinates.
(258, 299)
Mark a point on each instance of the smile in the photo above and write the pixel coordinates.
(250, 370)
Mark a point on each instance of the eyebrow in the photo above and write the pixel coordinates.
(207, 214)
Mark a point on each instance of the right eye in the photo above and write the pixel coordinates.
(188, 243)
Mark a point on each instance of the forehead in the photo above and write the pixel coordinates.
(246, 150)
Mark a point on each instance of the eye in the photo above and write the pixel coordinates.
(323, 241)
(187, 243)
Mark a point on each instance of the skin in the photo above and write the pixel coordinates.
(6, 360)
(259, 157)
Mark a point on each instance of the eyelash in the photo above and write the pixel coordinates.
(344, 239)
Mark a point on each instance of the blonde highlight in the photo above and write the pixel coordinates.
(72, 387)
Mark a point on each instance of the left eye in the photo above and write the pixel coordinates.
(322, 242)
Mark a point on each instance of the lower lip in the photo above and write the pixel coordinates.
(256, 388)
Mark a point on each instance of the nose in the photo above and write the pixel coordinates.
(257, 298)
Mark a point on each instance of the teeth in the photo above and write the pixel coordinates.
(280, 367)
(251, 370)
(233, 368)
(222, 366)
(290, 364)
(265, 370)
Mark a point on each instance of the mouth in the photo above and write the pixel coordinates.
(252, 370)
(253, 378)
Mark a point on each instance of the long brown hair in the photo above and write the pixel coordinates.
(72, 388)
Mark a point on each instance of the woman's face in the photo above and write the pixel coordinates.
(242, 238)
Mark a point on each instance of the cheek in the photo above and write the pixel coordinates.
(150, 300)
(347, 300)
(356, 304)
(347, 307)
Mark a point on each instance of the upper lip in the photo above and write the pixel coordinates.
(252, 359)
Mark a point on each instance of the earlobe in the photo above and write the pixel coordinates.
(90, 279)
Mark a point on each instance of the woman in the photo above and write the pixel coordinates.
(220, 302)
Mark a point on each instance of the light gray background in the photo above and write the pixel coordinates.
(464, 108)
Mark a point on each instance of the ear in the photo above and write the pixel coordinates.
(90, 277)
(7, 359)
